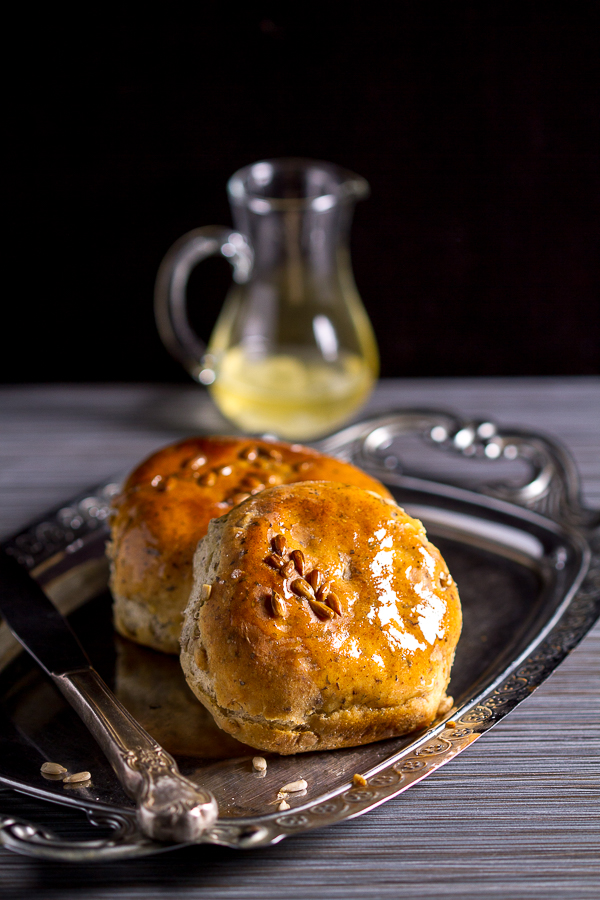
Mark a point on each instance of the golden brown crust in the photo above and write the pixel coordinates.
(307, 672)
(165, 507)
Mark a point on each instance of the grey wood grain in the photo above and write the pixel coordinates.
(516, 816)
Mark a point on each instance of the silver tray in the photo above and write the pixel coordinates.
(526, 558)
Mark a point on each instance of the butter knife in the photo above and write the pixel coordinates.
(169, 806)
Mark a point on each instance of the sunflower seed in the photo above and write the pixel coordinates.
(298, 557)
(315, 579)
(303, 589)
(237, 498)
(319, 609)
(259, 763)
(205, 591)
(276, 561)
(252, 484)
(278, 606)
(208, 479)
(359, 781)
(289, 569)
(283, 806)
(294, 786)
(77, 776)
(323, 593)
(334, 602)
(50, 768)
(279, 543)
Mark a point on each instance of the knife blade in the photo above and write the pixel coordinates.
(36, 623)
(169, 807)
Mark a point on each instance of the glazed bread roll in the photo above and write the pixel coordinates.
(165, 507)
(320, 617)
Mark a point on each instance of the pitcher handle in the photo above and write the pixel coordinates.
(170, 291)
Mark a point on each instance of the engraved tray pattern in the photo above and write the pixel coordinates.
(538, 525)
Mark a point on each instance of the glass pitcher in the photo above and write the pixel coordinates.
(293, 352)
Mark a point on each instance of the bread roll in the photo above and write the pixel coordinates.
(165, 507)
(320, 617)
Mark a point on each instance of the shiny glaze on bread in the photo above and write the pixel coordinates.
(165, 507)
(290, 676)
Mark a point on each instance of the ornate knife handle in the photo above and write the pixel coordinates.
(552, 489)
(169, 806)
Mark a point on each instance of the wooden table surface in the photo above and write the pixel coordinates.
(516, 816)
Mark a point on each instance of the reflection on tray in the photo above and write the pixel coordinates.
(152, 687)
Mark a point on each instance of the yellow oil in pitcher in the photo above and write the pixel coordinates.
(293, 352)
(295, 395)
(298, 367)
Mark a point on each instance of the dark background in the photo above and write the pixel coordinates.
(476, 124)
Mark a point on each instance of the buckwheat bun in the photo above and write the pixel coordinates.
(320, 617)
(165, 507)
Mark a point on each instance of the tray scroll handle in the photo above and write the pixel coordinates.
(29, 839)
(552, 488)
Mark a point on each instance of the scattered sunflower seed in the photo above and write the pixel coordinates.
(283, 805)
(77, 786)
(50, 768)
(294, 786)
(259, 763)
(359, 780)
(206, 591)
(77, 776)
